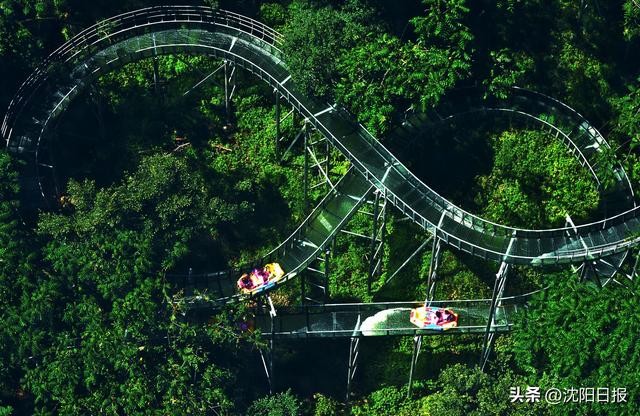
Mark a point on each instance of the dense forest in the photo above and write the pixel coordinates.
(157, 175)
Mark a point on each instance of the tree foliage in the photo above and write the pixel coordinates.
(314, 40)
(281, 404)
(631, 19)
(576, 335)
(385, 76)
(104, 333)
(508, 69)
(535, 182)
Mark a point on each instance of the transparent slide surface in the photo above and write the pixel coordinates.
(380, 319)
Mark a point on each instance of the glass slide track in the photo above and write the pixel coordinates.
(256, 47)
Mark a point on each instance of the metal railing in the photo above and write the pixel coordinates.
(336, 320)
(380, 306)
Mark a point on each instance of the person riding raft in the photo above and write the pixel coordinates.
(260, 276)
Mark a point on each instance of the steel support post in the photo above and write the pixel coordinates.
(436, 255)
(327, 163)
(272, 315)
(374, 236)
(376, 243)
(277, 93)
(306, 167)
(266, 366)
(226, 90)
(354, 351)
(327, 253)
(156, 75)
(408, 259)
(51, 169)
(268, 361)
(156, 72)
(634, 256)
(635, 266)
(383, 226)
(417, 345)
(303, 288)
(314, 283)
(229, 86)
(232, 82)
(496, 301)
(203, 80)
(293, 142)
(320, 164)
(587, 270)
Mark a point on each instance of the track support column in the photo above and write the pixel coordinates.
(408, 259)
(306, 167)
(267, 362)
(417, 345)
(277, 93)
(226, 89)
(327, 163)
(327, 255)
(587, 270)
(354, 351)
(376, 245)
(303, 289)
(374, 236)
(229, 86)
(314, 282)
(496, 301)
(156, 71)
(436, 255)
(156, 75)
(635, 266)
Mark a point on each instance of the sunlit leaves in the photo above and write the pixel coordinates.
(380, 79)
(535, 182)
(507, 69)
(581, 336)
(314, 39)
(631, 10)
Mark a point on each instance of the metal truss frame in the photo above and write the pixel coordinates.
(500, 283)
(314, 283)
(317, 157)
(354, 353)
(267, 355)
(377, 236)
(432, 278)
(279, 120)
(496, 301)
(229, 86)
(411, 256)
(417, 346)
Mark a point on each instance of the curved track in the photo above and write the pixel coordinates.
(255, 47)
(532, 110)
